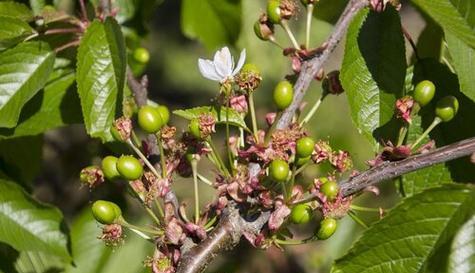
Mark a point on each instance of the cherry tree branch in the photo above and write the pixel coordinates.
(233, 225)
(389, 170)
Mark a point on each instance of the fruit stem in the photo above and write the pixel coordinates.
(194, 168)
(300, 169)
(211, 222)
(284, 191)
(272, 129)
(204, 179)
(434, 123)
(144, 158)
(253, 114)
(217, 158)
(142, 229)
(313, 110)
(287, 29)
(163, 163)
(402, 135)
(355, 218)
(274, 41)
(292, 182)
(228, 148)
(365, 209)
(159, 207)
(309, 24)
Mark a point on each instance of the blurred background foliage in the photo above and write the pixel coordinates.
(177, 33)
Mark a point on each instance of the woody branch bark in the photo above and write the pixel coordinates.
(233, 225)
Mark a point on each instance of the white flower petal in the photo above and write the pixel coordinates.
(242, 59)
(207, 70)
(223, 62)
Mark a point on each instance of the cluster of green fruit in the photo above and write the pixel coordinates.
(446, 108)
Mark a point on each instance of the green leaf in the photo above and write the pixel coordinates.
(101, 76)
(38, 262)
(463, 60)
(234, 117)
(89, 253)
(24, 71)
(15, 10)
(461, 127)
(13, 31)
(213, 22)
(455, 16)
(462, 256)
(404, 240)
(20, 158)
(373, 71)
(54, 106)
(29, 225)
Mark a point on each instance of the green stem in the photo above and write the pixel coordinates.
(204, 179)
(210, 223)
(194, 167)
(313, 110)
(152, 214)
(358, 208)
(253, 114)
(144, 158)
(218, 159)
(357, 219)
(272, 129)
(228, 148)
(295, 242)
(291, 182)
(163, 162)
(287, 29)
(143, 229)
(402, 135)
(302, 168)
(284, 190)
(159, 207)
(434, 123)
(274, 41)
(136, 140)
(309, 24)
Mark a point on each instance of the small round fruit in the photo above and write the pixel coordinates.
(129, 167)
(330, 189)
(141, 55)
(327, 228)
(447, 108)
(279, 170)
(305, 147)
(150, 119)
(109, 167)
(106, 212)
(424, 92)
(115, 134)
(300, 161)
(194, 128)
(283, 95)
(301, 214)
(273, 11)
(164, 113)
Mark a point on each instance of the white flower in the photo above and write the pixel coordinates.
(222, 67)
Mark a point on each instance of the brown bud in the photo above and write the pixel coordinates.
(263, 28)
(331, 84)
(91, 176)
(288, 8)
(122, 129)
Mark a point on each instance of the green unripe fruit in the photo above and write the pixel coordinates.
(327, 228)
(330, 189)
(424, 92)
(116, 135)
(301, 214)
(194, 128)
(150, 119)
(279, 170)
(283, 94)
(250, 68)
(164, 113)
(273, 11)
(106, 212)
(141, 55)
(109, 167)
(300, 161)
(305, 147)
(447, 108)
(129, 167)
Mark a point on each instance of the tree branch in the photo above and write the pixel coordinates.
(390, 170)
(233, 225)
